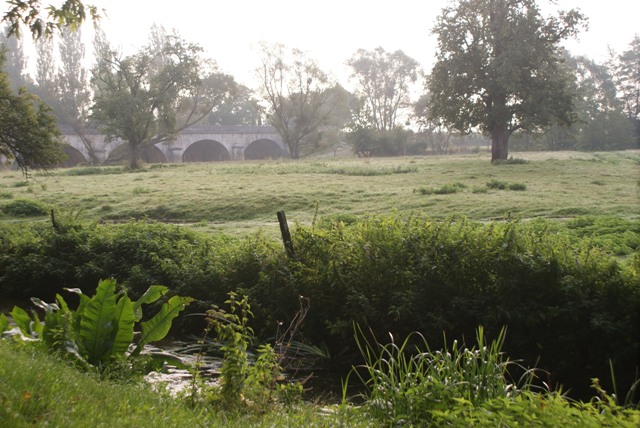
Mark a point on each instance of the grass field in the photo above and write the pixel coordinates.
(240, 197)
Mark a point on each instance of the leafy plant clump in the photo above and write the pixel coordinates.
(503, 185)
(408, 382)
(25, 208)
(446, 189)
(100, 332)
(510, 161)
(245, 386)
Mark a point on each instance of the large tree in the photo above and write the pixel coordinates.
(499, 69)
(243, 109)
(627, 77)
(149, 97)
(15, 60)
(602, 124)
(28, 131)
(302, 101)
(72, 86)
(384, 82)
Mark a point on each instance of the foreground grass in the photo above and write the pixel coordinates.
(36, 389)
(238, 198)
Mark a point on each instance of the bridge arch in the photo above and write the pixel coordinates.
(206, 151)
(149, 154)
(74, 157)
(263, 148)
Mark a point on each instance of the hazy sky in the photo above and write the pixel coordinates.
(330, 30)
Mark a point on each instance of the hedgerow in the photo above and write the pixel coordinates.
(569, 306)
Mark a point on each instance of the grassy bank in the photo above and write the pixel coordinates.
(40, 390)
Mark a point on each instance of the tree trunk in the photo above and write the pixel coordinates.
(499, 145)
(135, 156)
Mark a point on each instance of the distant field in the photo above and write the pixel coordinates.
(240, 197)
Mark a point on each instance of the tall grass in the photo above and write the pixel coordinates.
(408, 382)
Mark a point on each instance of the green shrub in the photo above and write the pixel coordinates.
(101, 330)
(511, 161)
(445, 189)
(503, 185)
(497, 184)
(25, 208)
(6, 195)
(518, 187)
(406, 384)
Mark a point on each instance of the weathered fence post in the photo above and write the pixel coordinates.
(286, 236)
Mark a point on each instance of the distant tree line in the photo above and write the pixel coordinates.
(500, 74)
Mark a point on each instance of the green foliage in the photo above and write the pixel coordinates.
(531, 409)
(446, 189)
(373, 142)
(28, 130)
(101, 330)
(92, 170)
(497, 185)
(480, 47)
(243, 384)
(4, 323)
(171, 87)
(518, 187)
(38, 389)
(302, 101)
(566, 301)
(503, 185)
(368, 172)
(25, 208)
(408, 383)
(621, 237)
(511, 161)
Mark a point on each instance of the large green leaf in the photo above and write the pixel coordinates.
(157, 327)
(97, 324)
(35, 325)
(77, 314)
(4, 323)
(22, 320)
(125, 319)
(151, 295)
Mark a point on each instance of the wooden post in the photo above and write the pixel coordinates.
(53, 220)
(286, 236)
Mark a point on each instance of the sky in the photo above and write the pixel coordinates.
(331, 31)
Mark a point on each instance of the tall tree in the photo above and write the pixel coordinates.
(302, 100)
(72, 88)
(627, 76)
(242, 109)
(601, 120)
(28, 131)
(384, 86)
(15, 61)
(45, 64)
(499, 69)
(149, 97)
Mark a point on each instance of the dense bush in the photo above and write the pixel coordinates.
(566, 302)
(24, 208)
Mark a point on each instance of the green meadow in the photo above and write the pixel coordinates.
(238, 198)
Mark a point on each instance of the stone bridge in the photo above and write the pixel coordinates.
(194, 144)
